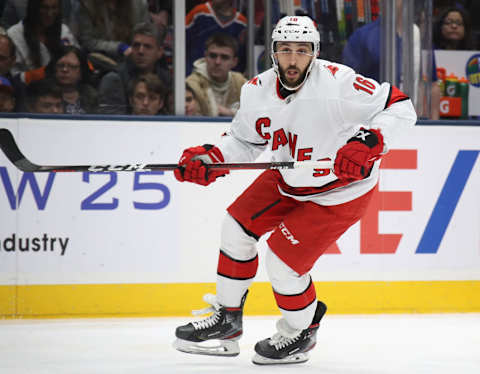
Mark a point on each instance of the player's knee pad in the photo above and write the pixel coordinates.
(295, 294)
(283, 278)
(235, 242)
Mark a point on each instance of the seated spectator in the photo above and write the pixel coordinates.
(16, 10)
(45, 97)
(191, 102)
(453, 30)
(7, 96)
(106, 26)
(7, 60)
(214, 16)
(213, 82)
(147, 95)
(160, 12)
(7, 55)
(70, 71)
(39, 35)
(146, 57)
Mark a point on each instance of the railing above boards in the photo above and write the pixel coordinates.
(127, 118)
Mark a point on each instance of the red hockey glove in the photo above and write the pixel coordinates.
(194, 165)
(355, 159)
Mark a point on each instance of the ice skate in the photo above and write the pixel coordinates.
(289, 346)
(216, 335)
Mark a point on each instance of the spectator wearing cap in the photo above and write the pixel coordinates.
(7, 96)
(44, 97)
(147, 95)
(146, 57)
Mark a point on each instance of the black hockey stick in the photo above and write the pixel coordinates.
(16, 157)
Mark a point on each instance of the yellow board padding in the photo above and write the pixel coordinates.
(178, 299)
(7, 300)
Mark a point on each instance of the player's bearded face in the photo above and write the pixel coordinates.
(293, 59)
(292, 76)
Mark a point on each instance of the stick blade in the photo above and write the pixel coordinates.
(13, 153)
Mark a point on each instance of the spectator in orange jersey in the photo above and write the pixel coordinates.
(209, 18)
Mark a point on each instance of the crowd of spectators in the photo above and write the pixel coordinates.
(116, 56)
(146, 56)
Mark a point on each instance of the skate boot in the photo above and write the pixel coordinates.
(289, 346)
(216, 335)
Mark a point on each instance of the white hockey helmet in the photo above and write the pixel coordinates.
(295, 29)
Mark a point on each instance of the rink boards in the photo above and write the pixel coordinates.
(138, 243)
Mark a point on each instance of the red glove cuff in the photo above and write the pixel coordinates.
(372, 138)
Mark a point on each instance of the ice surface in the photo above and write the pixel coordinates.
(353, 344)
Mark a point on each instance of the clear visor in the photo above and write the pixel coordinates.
(291, 48)
(291, 53)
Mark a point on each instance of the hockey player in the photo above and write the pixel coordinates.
(303, 108)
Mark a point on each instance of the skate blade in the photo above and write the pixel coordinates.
(226, 348)
(297, 358)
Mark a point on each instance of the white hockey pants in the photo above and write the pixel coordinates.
(237, 270)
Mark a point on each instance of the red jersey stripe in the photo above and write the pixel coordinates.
(395, 96)
(305, 191)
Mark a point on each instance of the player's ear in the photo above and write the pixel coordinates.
(234, 62)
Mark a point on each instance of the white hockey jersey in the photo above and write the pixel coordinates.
(312, 124)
